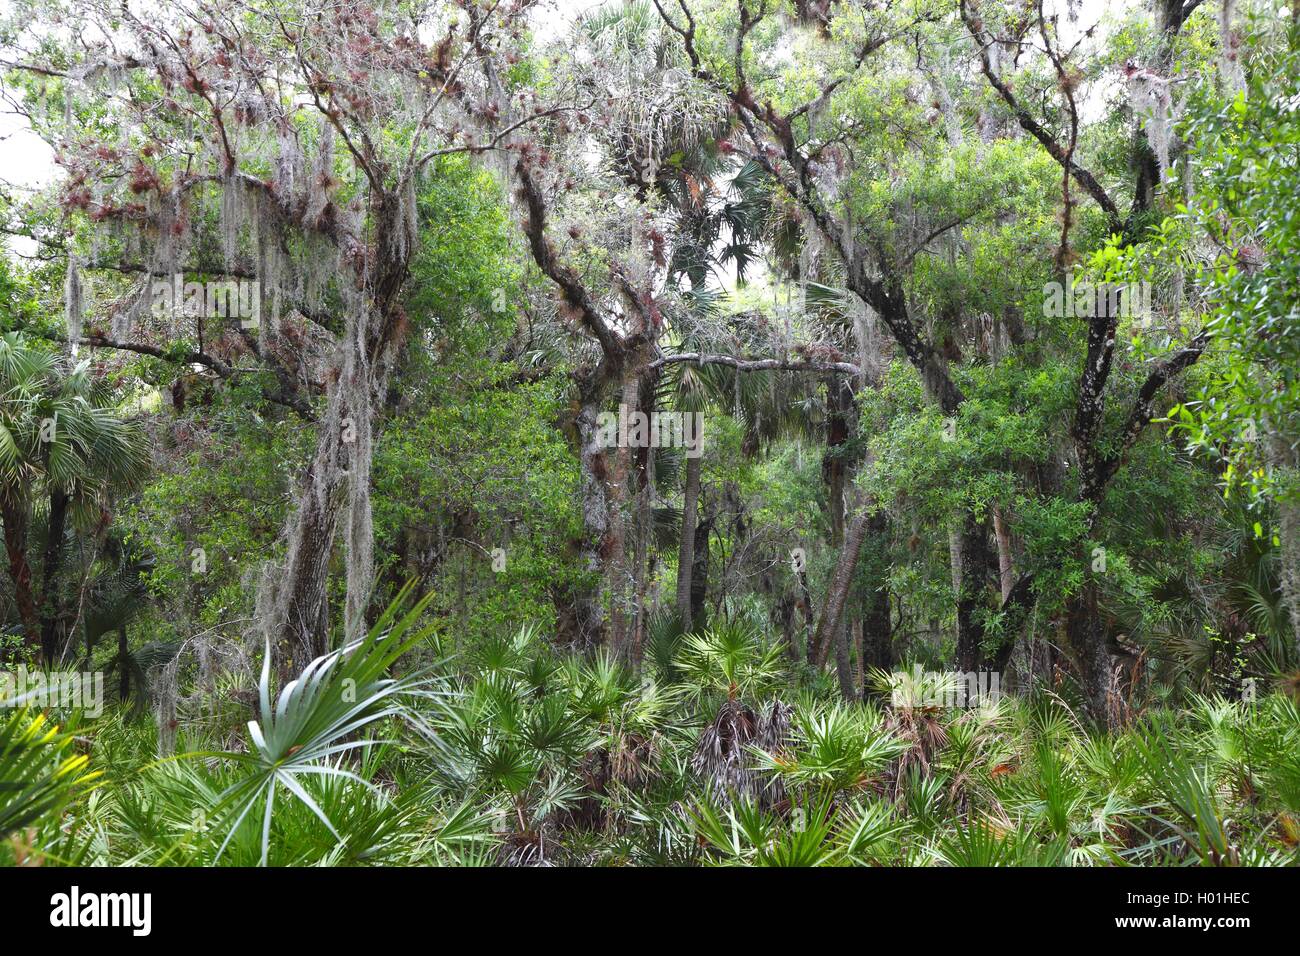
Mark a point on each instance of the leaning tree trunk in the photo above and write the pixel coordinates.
(20, 572)
(838, 589)
(686, 551)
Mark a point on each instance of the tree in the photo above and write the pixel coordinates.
(317, 122)
(1246, 414)
(59, 436)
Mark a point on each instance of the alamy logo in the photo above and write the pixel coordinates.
(103, 909)
(1086, 300)
(656, 430)
(224, 299)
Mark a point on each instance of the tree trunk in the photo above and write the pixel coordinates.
(293, 604)
(843, 666)
(644, 533)
(838, 589)
(51, 593)
(617, 570)
(1086, 637)
(1006, 568)
(686, 552)
(593, 463)
(1289, 562)
(877, 627)
(805, 603)
(15, 520)
(1287, 474)
(970, 564)
(785, 611)
(835, 473)
(298, 623)
(700, 571)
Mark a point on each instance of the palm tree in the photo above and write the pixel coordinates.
(24, 374)
(59, 435)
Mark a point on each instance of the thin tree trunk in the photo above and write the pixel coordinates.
(843, 666)
(1288, 528)
(1289, 562)
(835, 473)
(1006, 566)
(686, 551)
(859, 652)
(700, 570)
(616, 558)
(805, 603)
(877, 627)
(786, 612)
(971, 560)
(593, 464)
(644, 531)
(51, 593)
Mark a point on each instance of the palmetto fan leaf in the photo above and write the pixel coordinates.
(89, 445)
(316, 719)
(835, 748)
(731, 657)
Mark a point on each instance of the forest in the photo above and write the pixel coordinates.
(651, 433)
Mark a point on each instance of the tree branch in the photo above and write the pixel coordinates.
(742, 364)
(1031, 126)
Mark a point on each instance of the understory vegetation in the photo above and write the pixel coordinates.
(676, 433)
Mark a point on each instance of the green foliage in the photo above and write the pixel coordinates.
(311, 728)
(40, 770)
(1252, 398)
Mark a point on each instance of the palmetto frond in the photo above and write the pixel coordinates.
(39, 771)
(313, 724)
(834, 748)
(732, 657)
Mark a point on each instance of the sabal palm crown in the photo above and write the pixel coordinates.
(59, 436)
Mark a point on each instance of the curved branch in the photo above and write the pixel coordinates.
(216, 365)
(742, 364)
(1031, 126)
